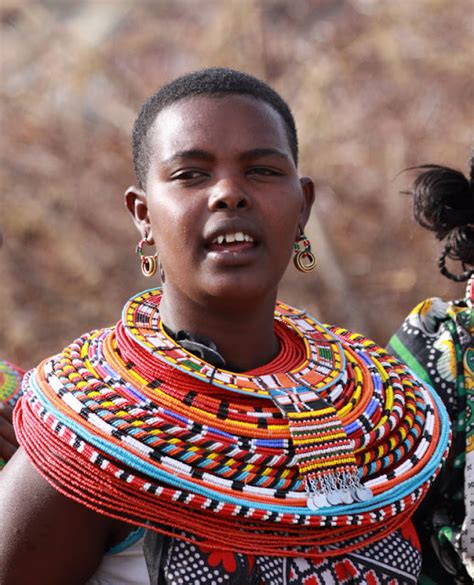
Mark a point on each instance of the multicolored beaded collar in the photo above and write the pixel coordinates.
(127, 422)
(10, 382)
(10, 387)
(323, 452)
(322, 367)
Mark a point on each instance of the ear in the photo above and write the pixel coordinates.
(307, 186)
(136, 203)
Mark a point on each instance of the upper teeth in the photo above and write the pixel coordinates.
(230, 238)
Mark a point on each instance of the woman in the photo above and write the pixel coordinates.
(253, 444)
(437, 342)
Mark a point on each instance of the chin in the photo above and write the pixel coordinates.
(240, 289)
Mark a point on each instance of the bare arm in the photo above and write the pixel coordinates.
(44, 534)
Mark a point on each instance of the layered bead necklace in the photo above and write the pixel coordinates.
(330, 445)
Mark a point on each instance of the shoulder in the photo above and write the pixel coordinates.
(38, 521)
(434, 342)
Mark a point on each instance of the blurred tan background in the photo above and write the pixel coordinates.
(375, 86)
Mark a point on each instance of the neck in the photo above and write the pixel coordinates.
(243, 332)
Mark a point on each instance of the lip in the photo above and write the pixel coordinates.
(229, 228)
(237, 253)
(240, 254)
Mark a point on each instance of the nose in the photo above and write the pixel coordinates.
(228, 194)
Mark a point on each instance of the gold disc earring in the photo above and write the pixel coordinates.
(148, 264)
(304, 259)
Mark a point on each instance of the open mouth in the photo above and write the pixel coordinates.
(232, 242)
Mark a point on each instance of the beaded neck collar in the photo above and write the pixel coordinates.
(324, 454)
(322, 368)
(125, 421)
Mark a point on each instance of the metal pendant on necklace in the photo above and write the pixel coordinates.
(324, 454)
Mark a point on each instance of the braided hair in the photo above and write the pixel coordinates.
(443, 200)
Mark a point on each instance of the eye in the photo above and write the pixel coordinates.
(264, 172)
(188, 175)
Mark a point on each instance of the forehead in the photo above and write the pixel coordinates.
(218, 124)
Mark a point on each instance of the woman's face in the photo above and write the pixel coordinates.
(223, 199)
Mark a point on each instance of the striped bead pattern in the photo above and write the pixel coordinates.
(128, 423)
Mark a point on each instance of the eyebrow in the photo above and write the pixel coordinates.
(262, 152)
(254, 153)
(192, 153)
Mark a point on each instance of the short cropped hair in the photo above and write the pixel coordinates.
(215, 82)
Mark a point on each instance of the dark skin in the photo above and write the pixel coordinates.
(46, 534)
(222, 165)
(218, 166)
(8, 442)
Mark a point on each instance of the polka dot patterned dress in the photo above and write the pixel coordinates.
(392, 560)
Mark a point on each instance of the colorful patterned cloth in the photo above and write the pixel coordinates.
(393, 560)
(437, 342)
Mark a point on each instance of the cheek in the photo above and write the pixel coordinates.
(285, 223)
(172, 229)
(286, 206)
